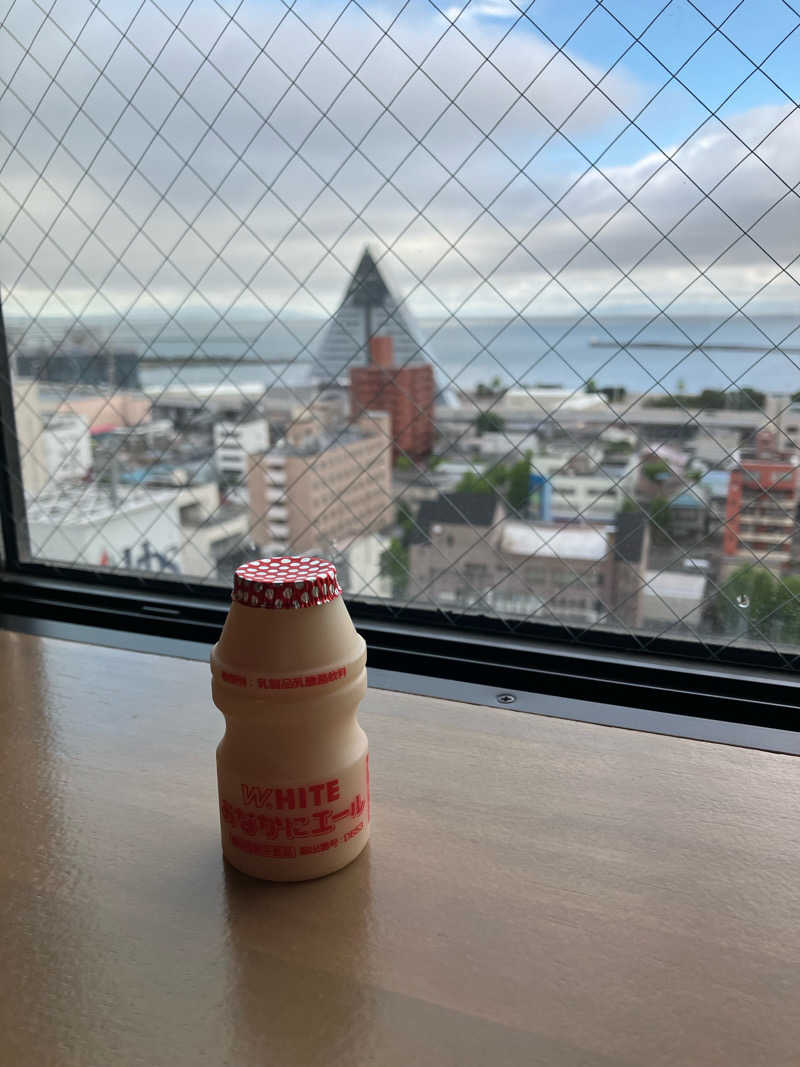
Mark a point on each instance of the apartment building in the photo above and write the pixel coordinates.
(305, 495)
(405, 393)
(580, 487)
(466, 553)
(234, 443)
(454, 548)
(567, 568)
(761, 511)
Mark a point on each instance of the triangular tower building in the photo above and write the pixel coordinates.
(369, 309)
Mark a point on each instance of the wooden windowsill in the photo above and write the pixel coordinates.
(536, 891)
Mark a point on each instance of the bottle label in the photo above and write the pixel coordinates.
(286, 822)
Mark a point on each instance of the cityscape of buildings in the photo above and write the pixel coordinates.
(581, 507)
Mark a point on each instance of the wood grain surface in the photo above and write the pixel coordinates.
(536, 892)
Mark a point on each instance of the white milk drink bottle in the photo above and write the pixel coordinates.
(288, 674)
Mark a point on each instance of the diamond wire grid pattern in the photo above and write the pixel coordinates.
(519, 162)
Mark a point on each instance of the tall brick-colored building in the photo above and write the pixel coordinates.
(761, 513)
(406, 393)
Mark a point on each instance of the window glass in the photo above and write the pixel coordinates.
(494, 310)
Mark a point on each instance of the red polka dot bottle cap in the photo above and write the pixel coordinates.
(286, 582)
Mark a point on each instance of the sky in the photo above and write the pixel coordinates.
(498, 158)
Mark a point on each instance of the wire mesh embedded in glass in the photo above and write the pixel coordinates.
(493, 304)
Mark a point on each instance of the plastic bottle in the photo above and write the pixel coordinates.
(288, 674)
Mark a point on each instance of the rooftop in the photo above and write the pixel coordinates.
(675, 585)
(690, 498)
(454, 509)
(224, 513)
(188, 472)
(88, 505)
(547, 398)
(717, 482)
(326, 440)
(199, 394)
(629, 538)
(553, 541)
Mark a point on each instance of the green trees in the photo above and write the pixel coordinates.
(473, 482)
(406, 464)
(618, 448)
(659, 512)
(394, 560)
(394, 565)
(494, 388)
(746, 398)
(659, 515)
(489, 422)
(743, 399)
(753, 601)
(653, 467)
(518, 483)
(614, 393)
(510, 481)
(405, 520)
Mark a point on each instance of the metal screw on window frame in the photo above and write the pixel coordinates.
(505, 698)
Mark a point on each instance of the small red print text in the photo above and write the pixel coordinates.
(258, 848)
(301, 681)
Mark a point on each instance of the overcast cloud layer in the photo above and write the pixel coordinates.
(203, 160)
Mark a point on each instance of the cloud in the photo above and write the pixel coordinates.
(222, 196)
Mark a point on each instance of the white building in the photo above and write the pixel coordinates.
(500, 445)
(717, 449)
(181, 402)
(234, 443)
(594, 493)
(197, 501)
(27, 415)
(556, 572)
(67, 448)
(673, 598)
(538, 401)
(588, 494)
(215, 545)
(134, 529)
(358, 564)
(588, 497)
(276, 522)
(544, 541)
(523, 411)
(211, 531)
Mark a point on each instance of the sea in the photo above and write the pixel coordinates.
(663, 355)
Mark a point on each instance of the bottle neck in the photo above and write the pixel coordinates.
(287, 643)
